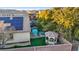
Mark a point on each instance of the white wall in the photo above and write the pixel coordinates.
(20, 37)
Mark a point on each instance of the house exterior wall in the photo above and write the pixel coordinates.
(18, 35)
(15, 13)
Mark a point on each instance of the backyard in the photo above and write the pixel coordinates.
(62, 20)
(56, 27)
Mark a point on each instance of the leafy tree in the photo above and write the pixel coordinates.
(64, 17)
(44, 21)
(64, 20)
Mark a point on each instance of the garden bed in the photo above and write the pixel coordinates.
(75, 45)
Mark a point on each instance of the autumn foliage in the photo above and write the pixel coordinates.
(65, 18)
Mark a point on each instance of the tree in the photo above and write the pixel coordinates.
(44, 21)
(65, 20)
(64, 17)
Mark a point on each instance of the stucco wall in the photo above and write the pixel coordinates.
(20, 37)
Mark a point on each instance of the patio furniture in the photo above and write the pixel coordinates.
(51, 37)
(34, 31)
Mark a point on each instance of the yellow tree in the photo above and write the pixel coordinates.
(76, 27)
(44, 20)
(65, 18)
(43, 14)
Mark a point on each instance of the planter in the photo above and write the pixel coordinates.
(39, 41)
(75, 45)
(64, 46)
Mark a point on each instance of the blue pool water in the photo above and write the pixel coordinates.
(17, 22)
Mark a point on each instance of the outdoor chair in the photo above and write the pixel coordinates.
(51, 37)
